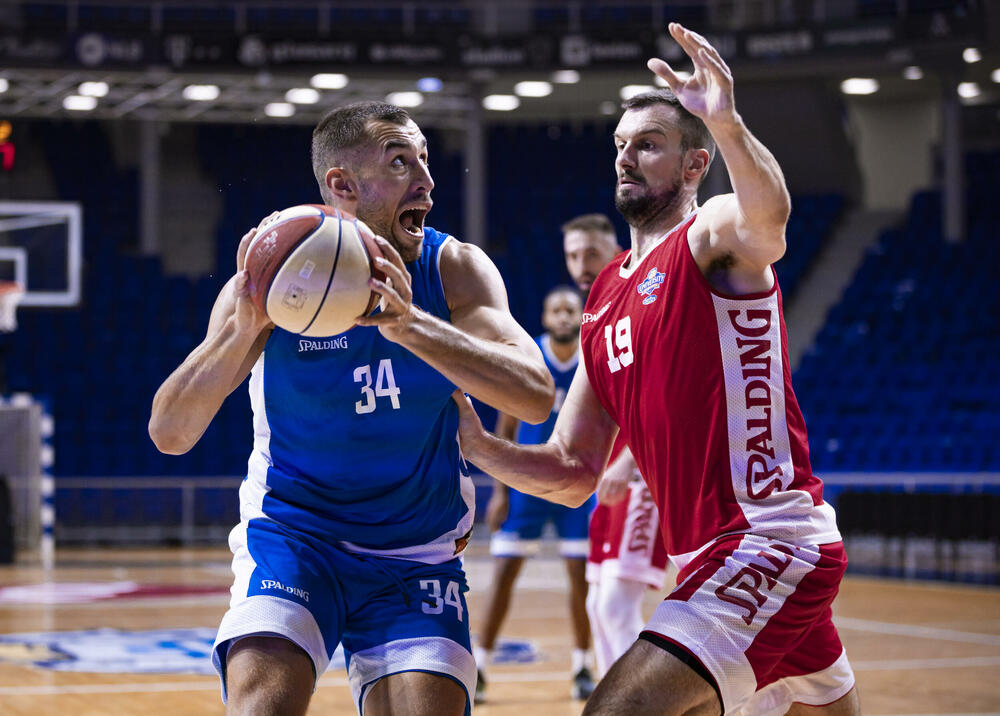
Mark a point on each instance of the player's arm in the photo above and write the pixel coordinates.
(190, 397)
(614, 483)
(750, 222)
(483, 350)
(567, 468)
(499, 504)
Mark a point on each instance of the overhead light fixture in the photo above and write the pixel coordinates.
(429, 84)
(4, 85)
(93, 89)
(566, 77)
(971, 55)
(859, 85)
(609, 107)
(968, 90)
(994, 75)
(405, 99)
(532, 88)
(329, 80)
(201, 93)
(279, 109)
(79, 103)
(302, 95)
(629, 91)
(913, 73)
(501, 102)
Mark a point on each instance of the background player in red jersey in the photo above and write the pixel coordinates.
(684, 349)
(626, 549)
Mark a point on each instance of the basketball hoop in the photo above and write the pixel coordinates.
(10, 295)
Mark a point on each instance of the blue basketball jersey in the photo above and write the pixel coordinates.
(356, 438)
(562, 374)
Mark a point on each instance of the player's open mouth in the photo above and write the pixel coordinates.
(412, 221)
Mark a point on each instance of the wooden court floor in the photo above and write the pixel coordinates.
(917, 648)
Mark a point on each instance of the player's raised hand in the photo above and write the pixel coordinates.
(248, 316)
(396, 293)
(708, 93)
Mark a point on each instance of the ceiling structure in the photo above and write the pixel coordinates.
(147, 64)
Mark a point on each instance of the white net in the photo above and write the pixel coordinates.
(10, 296)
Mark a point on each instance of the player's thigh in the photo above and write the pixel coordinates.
(847, 705)
(650, 680)
(420, 624)
(416, 693)
(268, 675)
(282, 589)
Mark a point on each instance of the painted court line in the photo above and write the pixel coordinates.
(912, 630)
(922, 664)
(510, 677)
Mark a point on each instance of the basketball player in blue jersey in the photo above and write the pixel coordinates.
(518, 519)
(356, 505)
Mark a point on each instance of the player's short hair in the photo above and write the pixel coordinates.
(346, 128)
(598, 223)
(562, 288)
(694, 133)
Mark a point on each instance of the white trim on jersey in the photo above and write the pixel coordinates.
(626, 272)
(760, 451)
(437, 261)
(569, 365)
(255, 487)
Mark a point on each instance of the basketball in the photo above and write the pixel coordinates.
(309, 268)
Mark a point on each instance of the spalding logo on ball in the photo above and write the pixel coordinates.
(309, 269)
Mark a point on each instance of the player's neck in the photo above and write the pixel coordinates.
(563, 351)
(647, 235)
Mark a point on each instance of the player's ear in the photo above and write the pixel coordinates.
(696, 163)
(341, 184)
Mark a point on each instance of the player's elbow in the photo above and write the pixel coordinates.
(543, 395)
(168, 440)
(579, 491)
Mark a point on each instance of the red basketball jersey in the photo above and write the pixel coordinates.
(699, 383)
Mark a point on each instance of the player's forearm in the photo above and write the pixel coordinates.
(190, 397)
(499, 375)
(758, 182)
(546, 471)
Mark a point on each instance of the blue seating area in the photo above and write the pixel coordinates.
(904, 375)
(101, 364)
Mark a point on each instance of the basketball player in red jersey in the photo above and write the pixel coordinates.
(684, 348)
(626, 550)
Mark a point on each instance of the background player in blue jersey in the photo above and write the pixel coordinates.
(356, 503)
(518, 519)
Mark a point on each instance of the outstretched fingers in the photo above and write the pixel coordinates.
(662, 69)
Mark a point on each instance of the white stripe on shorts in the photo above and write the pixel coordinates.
(435, 654)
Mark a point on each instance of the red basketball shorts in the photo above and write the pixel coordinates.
(755, 613)
(625, 540)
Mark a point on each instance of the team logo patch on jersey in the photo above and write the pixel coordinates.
(654, 279)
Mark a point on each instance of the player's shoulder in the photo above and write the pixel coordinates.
(468, 275)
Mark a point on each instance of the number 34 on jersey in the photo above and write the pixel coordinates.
(384, 387)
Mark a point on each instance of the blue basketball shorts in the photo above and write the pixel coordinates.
(520, 533)
(391, 615)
